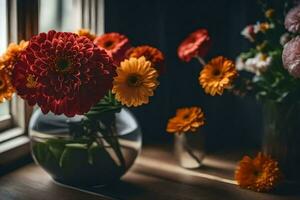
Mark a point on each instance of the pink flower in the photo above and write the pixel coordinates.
(292, 20)
(291, 57)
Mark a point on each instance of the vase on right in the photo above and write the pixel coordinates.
(281, 138)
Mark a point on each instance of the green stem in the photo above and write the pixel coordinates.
(117, 146)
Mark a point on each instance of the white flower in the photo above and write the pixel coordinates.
(284, 38)
(256, 65)
(240, 64)
(248, 32)
(262, 27)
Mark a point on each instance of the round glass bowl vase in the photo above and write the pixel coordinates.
(61, 147)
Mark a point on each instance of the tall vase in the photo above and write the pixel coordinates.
(282, 137)
(75, 155)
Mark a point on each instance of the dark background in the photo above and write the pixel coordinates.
(231, 122)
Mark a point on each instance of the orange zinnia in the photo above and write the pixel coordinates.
(186, 120)
(6, 88)
(217, 75)
(155, 56)
(260, 174)
(12, 54)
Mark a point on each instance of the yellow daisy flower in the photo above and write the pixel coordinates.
(217, 75)
(135, 82)
(186, 120)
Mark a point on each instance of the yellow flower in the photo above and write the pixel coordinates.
(6, 88)
(263, 27)
(135, 82)
(186, 120)
(217, 75)
(31, 81)
(270, 13)
(12, 54)
(86, 33)
(260, 174)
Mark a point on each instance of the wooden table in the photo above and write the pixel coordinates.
(155, 176)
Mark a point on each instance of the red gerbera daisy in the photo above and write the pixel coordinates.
(63, 73)
(155, 56)
(115, 44)
(196, 44)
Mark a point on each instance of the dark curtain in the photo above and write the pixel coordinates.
(231, 122)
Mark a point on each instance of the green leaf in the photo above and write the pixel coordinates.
(40, 151)
(107, 104)
(56, 147)
(74, 156)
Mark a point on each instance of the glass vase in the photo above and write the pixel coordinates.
(189, 149)
(75, 156)
(282, 136)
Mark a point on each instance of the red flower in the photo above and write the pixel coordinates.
(63, 73)
(196, 44)
(155, 56)
(115, 44)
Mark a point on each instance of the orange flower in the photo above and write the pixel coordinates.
(7, 61)
(217, 75)
(260, 174)
(12, 54)
(135, 82)
(115, 44)
(186, 120)
(6, 88)
(155, 56)
(270, 13)
(86, 33)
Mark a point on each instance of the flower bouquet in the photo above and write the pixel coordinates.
(271, 73)
(82, 133)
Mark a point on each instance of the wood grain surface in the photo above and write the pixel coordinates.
(155, 176)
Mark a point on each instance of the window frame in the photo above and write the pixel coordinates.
(5, 118)
(22, 24)
(22, 18)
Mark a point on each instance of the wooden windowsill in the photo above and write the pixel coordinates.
(155, 175)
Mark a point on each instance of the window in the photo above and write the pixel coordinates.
(71, 15)
(19, 20)
(5, 119)
(60, 15)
